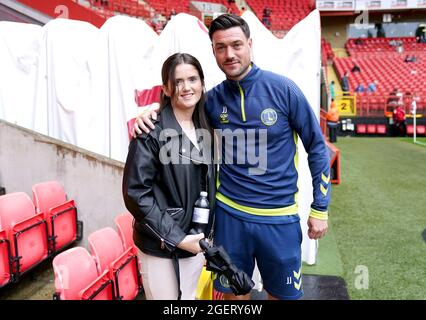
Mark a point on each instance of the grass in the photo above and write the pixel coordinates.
(377, 216)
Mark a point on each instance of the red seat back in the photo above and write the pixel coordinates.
(381, 129)
(48, 195)
(361, 128)
(5, 272)
(74, 271)
(27, 232)
(50, 199)
(105, 247)
(124, 223)
(371, 128)
(102, 288)
(125, 273)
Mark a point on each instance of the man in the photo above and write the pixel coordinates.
(256, 209)
(345, 83)
(332, 118)
(399, 119)
(332, 90)
(372, 86)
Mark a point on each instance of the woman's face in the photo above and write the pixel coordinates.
(188, 88)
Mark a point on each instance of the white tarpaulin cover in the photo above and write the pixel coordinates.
(75, 82)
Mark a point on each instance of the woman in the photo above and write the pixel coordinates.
(164, 174)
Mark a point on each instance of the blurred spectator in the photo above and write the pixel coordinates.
(409, 58)
(356, 68)
(332, 118)
(172, 13)
(399, 119)
(372, 86)
(243, 9)
(359, 41)
(360, 88)
(266, 18)
(332, 92)
(345, 83)
(421, 33)
(380, 31)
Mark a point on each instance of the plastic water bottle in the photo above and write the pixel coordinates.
(200, 216)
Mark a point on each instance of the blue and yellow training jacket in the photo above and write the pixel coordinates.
(258, 120)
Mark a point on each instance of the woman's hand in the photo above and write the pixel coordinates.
(191, 243)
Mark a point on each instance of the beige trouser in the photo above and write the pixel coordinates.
(159, 278)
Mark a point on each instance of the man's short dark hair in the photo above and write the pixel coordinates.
(227, 21)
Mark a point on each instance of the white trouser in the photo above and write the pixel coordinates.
(159, 278)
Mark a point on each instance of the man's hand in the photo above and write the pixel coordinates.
(143, 120)
(317, 228)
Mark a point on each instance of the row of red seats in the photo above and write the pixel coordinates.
(420, 130)
(382, 45)
(371, 128)
(129, 7)
(109, 272)
(30, 232)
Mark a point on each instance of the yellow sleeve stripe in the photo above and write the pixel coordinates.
(324, 178)
(321, 215)
(323, 190)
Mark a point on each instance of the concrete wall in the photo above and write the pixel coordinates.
(92, 180)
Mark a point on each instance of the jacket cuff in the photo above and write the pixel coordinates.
(321, 215)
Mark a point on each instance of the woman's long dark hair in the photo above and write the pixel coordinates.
(168, 77)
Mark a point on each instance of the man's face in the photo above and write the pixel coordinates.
(232, 51)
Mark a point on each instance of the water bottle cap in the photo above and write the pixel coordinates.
(203, 193)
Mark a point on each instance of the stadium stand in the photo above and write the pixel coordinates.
(284, 13)
(379, 61)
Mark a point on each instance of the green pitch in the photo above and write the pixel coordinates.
(377, 216)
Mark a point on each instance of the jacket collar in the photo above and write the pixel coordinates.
(169, 121)
(248, 80)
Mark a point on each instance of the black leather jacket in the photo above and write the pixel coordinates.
(160, 196)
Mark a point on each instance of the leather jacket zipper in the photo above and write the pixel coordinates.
(164, 242)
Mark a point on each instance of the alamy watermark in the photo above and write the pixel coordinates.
(362, 278)
(244, 147)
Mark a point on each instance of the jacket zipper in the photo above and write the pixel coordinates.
(163, 241)
(243, 113)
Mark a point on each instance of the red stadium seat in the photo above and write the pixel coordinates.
(124, 223)
(410, 129)
(105, 246)
(361, 128)
(371, 128)
(381, 129)
(5, 262)
(26, 231)
(107, 249)
(421, 129)
(50, 200)
(76, 277)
